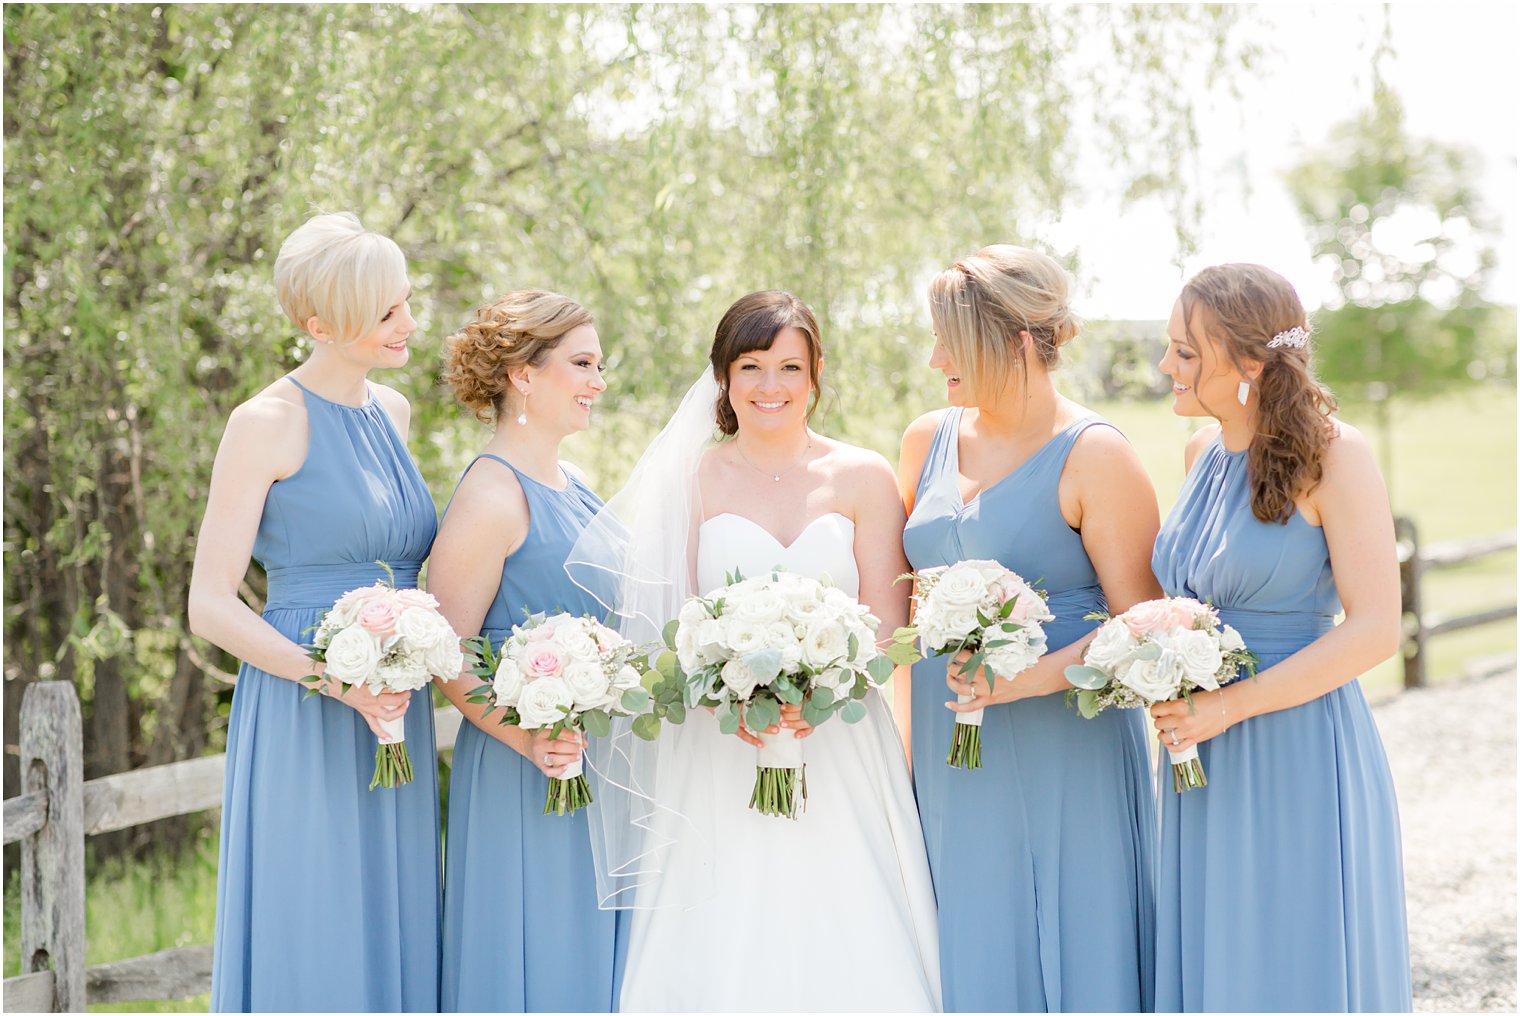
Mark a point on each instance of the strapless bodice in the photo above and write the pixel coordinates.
(824, 550)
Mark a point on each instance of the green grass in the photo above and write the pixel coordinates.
(1453, 471)
(134, 908)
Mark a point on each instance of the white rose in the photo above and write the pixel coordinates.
(957, 624)
(759, 606)
(579, 645)
(739, 679)
(1200, 656)
(544, 703)
(401, 671)
(1144, 679)
(743, 636)
(960, 587)
(1112, 644)
(444, 658)
(627, 679)
(352, 655)
(686, 648)
(835, 678)
(784, 636)
(507, 683)
(1011, 660)
(826, 642)
(587, 682)
(709, 638)
(806, 611)
(1230, 640)
(422, 628)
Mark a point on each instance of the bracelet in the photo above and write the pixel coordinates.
(1224, 709)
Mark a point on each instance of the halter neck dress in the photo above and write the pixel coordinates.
(1042, 859)
(1281, 884)
(328, 893)
(522, 931)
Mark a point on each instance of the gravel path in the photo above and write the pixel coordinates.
(1452, 749)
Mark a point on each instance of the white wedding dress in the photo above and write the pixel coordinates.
(831, 912)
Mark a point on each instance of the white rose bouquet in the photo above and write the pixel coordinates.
(387, 639)
(756, 644)
(982, 607)
(1158, 651)
(565, 673)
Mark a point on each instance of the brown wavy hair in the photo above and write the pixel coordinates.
(752, 324)
(981, 303)
(517, 330)
(1247, 305)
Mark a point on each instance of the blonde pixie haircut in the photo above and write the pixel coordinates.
(981, 303)
(335, 270)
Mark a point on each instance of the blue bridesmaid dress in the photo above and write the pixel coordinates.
(522, 931)
(1042, 859)
(1281, 883)
(328, 894)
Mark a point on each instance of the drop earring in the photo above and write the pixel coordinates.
(522, 417)
(1243, 392)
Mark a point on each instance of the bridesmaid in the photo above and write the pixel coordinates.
(1041, 859)
(328, 894)
(1282, 523)
(522, 930)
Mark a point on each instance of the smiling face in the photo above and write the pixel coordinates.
(1204, 380)
(562, 389)
(771, 388)
(386, 345)
(940, 359)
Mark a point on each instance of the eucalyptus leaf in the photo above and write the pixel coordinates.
(1082, 676)
(880, 667)
(646, 726)
(853, 712)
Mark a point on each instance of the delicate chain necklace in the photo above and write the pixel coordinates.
(775, 475)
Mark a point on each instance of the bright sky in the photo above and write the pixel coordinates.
(1455, 68)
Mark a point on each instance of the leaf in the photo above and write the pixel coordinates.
(675, 713)
(646, 726)
(853, 712)
(596, 723)
(822, 698)
(635, 700)
(880, 667)
(728, 722)
(1082, 676)
(853, 647)
(815, 714)
(1087, 703)
(765, 664)
(904, 655)
(668, 634)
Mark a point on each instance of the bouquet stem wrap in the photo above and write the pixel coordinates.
(966, 745)
(393, 765)
(1187, 769)
(568, 792)
(780, 776)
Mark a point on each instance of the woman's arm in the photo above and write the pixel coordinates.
(485, 524)
(1106, 495)
(1352, 503)
(879, 558)
(265, 441)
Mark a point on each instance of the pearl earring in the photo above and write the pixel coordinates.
(1243, 392)
(522, 418)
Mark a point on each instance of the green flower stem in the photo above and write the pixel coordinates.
(779, 792)
(393, 766)
(566, 797)
(966, 747)
(1188, 776)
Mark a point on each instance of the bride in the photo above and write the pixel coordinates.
(734, 910)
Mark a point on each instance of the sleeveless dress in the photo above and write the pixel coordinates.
(1042, 859)
(521, 927)
(833, 912)
(1281, 884)
(327, 892)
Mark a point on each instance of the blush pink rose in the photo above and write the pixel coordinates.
(543, 633)
(416, 598)
(359, 598)
(1150, 616)
(380, 615)
(542, 660)
(606, 641)
(1187, 612)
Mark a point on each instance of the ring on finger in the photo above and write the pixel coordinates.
(1174, 736)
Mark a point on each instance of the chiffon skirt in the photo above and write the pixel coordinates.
(328, 893)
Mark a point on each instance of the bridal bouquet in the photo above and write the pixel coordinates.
(564, 673)
(756, 644)
(387, 639)
(1158, 651)
(982, 607)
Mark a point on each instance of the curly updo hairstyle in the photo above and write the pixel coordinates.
(1246, 307)
(981, 303)
(752, 324)
(517, 330)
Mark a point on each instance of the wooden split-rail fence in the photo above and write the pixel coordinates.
(57, 809)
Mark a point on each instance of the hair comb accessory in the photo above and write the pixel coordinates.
(1294, 337)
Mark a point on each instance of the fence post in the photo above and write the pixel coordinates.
(52, 859)
(1410, 570)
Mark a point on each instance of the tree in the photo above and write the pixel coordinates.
(655, 162)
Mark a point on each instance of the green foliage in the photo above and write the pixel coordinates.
(655, 162)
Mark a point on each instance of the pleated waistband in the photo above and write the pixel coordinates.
(1276, 633)
(307, 586)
